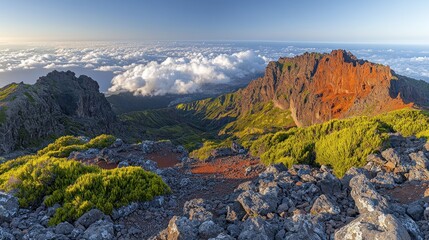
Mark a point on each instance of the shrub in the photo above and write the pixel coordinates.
(101, 141)
(76, 186)
(106, 190)
(340, 144)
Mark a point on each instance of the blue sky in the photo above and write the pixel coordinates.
(381, 21)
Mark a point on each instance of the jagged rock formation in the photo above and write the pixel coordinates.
(318, 87)
(57, 104)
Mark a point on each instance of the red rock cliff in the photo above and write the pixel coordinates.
(319, 87)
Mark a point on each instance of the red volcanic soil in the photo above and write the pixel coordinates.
(228, 167)
(165, 159)
(408, 192)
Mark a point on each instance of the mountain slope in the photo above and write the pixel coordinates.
(310, 88)
(57, 104)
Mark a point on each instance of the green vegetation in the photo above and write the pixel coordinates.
(341, 144)
(28, 95)
(48, 177)
(3, 115)
(63, 146)
(7, 90)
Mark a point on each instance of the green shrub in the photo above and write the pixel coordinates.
(106, 190)
(61, 142)
(101, 141)
(340, 144)
(76, 186)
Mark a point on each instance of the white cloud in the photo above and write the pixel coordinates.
(187, 74)
(160, 68)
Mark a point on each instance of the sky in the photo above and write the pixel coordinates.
(364, 21)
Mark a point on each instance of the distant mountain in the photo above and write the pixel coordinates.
(57, 104)
(300, 91)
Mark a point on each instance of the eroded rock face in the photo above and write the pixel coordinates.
(57, 104)
(319, 87)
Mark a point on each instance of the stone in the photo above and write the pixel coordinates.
(373, 225)
(234, 212)
(222, 236)
(209, 229)
(391, 155)
(257, 229)
(366, 198)
(324, 204)
(124, 211)
(180, 228)
(91, 217)
(64, 228)
(117, 143)
(4, 235)
(420, 158)
(147, 146)
(257, 204)
(221, 152)
(100, 230)
(123, 164)
(415, 210)
(8, 207)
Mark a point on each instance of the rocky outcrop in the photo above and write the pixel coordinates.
(319, 87)
(57, 104)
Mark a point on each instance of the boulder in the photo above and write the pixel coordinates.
(257, 204)
(64, 228)
(373, 225)
(91, 217)
(124, 211)
(420, 159)
(366, 198)
(209, 229)
(222, 236)
(180, 228)
(324, 204)
(415, 210)
(257, 229)
(147, 147)
(100, 230)
(4, 235)
(8, 207)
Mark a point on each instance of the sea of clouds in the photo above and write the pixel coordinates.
(161, 68)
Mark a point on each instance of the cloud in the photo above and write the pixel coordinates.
(180, 67)
(187, 74)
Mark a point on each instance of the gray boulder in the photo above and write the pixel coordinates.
(257, 229)
(4, 235)
(257, 204)
(179, 228)
(100, 230)
(324, 204)
(124, 211)
(209, 229)
(373, 225)
(91, 217)
(415, 210)
(8, 207)
(366, 198)
(222, 236)
(64, 228)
